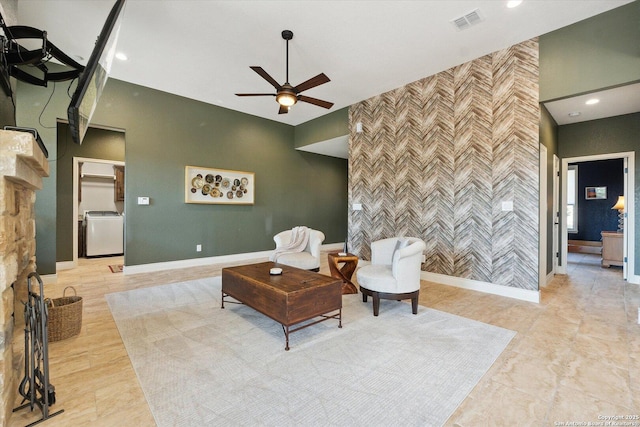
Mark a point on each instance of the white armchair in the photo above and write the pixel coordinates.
(307, 259)
(394, 272)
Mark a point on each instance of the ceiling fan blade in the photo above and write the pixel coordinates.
(312, 82)
(314, 101)
(283, 110)
(266, 76)
(255, 94)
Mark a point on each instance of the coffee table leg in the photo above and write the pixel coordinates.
(286, 337)
(340, 319)
(222, 299)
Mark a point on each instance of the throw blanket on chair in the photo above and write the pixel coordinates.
(299, 240)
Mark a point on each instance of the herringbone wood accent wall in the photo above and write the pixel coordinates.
(437, 158)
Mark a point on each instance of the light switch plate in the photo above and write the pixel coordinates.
(143, 200)
(507, 206)
(357, 206)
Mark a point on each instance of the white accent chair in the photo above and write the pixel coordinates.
(394, 272)
(309, 258)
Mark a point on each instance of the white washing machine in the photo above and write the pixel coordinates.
(104, 233)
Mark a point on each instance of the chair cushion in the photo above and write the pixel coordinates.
(376, 277)
(400, 244)
(303, 260)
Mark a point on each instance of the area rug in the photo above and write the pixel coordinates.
(116, 268)
(202, 365)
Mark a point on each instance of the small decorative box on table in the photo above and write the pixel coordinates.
(345, 272)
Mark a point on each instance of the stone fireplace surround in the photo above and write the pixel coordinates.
(22, 167)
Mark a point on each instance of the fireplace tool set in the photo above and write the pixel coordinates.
(35, 388)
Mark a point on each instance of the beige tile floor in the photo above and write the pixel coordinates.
(575, 357)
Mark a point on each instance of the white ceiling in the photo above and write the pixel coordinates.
(202, 49)
(613, 102)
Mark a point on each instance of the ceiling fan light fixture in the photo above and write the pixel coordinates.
(286, 99)
(287, 95)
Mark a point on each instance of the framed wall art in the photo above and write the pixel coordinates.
(218, 186)
(594, 193)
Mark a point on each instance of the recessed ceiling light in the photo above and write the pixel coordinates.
(121, 56)
(574, 114)
(592, 101)
(513, 3)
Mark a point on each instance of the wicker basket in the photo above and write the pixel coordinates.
(65, 316)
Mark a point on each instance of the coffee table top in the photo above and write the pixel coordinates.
(292, 279)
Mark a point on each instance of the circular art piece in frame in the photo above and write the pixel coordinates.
(219, 186)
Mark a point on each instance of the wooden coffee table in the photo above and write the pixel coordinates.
(294, 297)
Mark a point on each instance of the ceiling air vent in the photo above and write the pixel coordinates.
(468, 20)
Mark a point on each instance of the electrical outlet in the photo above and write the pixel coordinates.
(198, 248)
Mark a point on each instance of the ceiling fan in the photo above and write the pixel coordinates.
(287, 95)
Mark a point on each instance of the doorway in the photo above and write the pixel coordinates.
(106, 177)
(629, 190)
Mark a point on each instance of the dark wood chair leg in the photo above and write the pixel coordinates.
(376, 303)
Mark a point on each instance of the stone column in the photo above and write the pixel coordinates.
(22, 167)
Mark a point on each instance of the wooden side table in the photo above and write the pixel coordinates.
(345, 272)
(612, 248)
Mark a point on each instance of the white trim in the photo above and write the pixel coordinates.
(332, 247)
(76, 186)
(66, 265)
(488, 288)
(550, 277)
(629, 224)
(197, 262)
(635, 279)
(542, 218)
(555, 244)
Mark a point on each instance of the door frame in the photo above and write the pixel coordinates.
(542, 244)
(629, 219)
(76, 185)
(556, 214)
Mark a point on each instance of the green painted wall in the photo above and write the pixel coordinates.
(164, 133)
(549, 138)
(323, 128)
(612, 135)
(97, 144)
(599, 52)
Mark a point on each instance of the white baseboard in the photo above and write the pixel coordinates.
(332, 247)
(635, 279)
(476, 285)
(66, 265)
(197, 262)
(194, 262)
